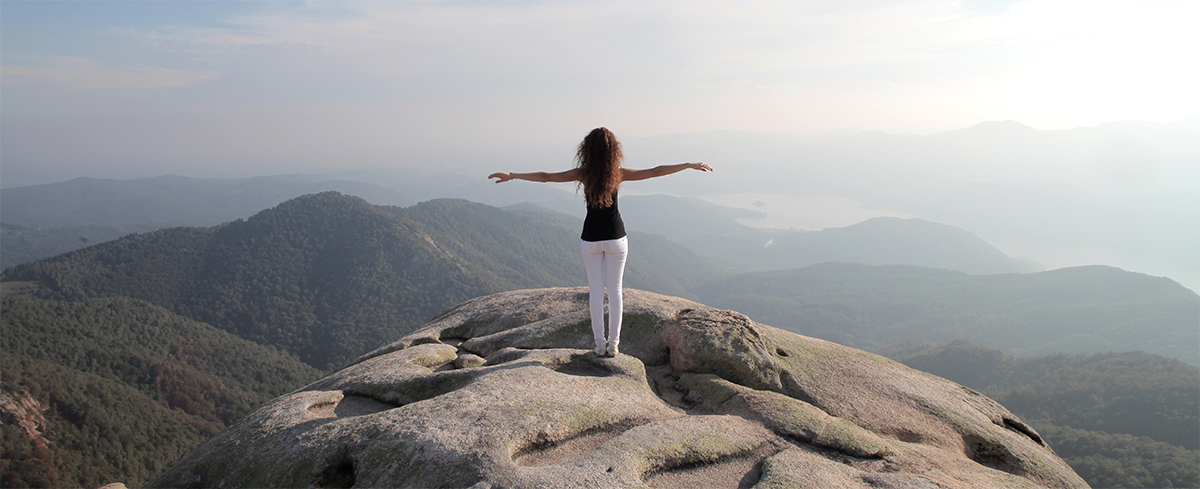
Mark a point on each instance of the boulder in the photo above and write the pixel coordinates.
(504, 391)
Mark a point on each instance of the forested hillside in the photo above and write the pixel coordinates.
(127, 388)
(1127, 419)
(328, 276)
(1108, 460)
(1072, 310)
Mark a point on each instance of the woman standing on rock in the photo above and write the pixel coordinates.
(603, 246)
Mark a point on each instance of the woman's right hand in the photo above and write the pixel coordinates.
(501, 176)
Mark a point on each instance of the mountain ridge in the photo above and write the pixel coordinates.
(333, 269)
(131, 205)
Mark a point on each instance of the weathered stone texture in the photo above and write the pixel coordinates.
(503, 391)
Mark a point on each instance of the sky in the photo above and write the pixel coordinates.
(207, 88)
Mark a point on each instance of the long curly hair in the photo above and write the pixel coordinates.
(599, 160)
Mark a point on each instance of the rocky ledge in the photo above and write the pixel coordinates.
(503, 391)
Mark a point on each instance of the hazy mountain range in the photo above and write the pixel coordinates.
(877, 241)
(1124, 194)
(1072, 310)
(168, 200)
(100, 210)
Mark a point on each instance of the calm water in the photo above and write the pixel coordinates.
(810, 212)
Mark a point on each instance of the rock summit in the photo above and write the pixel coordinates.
(504, 391)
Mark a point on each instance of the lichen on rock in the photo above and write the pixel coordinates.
(504, 391)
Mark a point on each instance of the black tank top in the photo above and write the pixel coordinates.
(603, 223)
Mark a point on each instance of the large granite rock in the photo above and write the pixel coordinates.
(504, 392)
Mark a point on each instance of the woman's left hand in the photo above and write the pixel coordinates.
(700, 166)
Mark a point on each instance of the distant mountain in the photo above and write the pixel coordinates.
(1128, 419)
(326, 276)
(1072, 310)
(895, 241)
(167, 200)
(20, 244)
(878, 241)
(116, 389)
(477, 188)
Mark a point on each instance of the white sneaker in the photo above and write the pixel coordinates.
(612, 350)
(600, 350)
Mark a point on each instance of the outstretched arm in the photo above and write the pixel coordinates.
(660, 170)
(539, 176)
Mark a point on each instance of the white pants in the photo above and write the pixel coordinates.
(605, 264)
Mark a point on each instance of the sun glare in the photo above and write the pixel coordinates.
(1088, 62)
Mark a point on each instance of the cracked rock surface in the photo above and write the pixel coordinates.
(504, 391)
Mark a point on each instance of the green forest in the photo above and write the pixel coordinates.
(1108, 460)
(127, 388)
(1127, 419)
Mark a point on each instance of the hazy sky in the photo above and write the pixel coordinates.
(124, 89)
